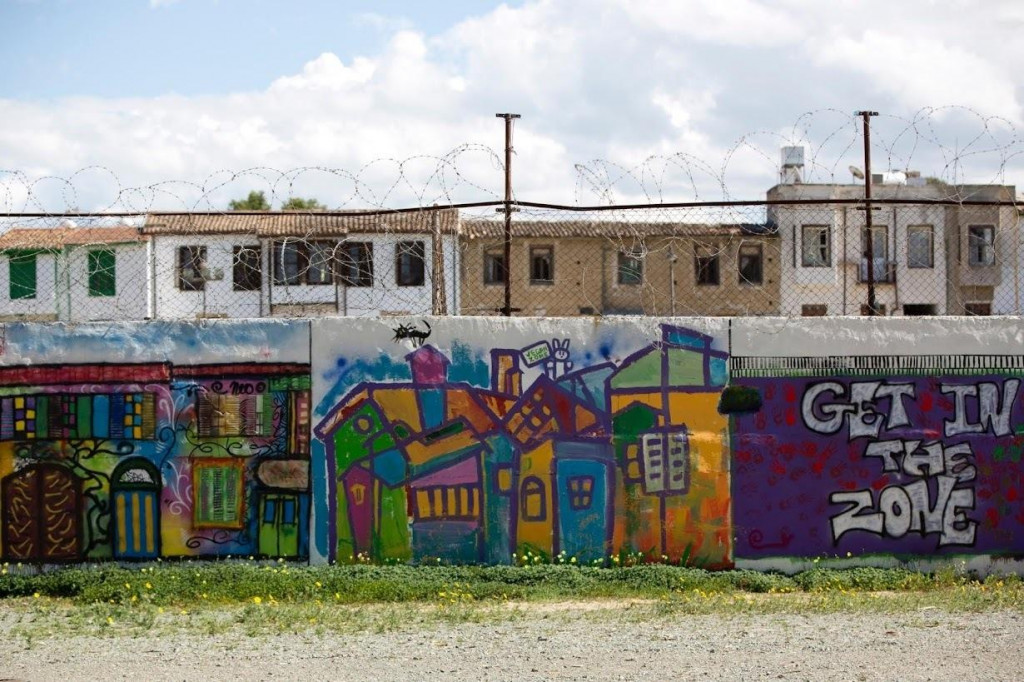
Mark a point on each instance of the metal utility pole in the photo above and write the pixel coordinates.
(506, 309)
(866, 117)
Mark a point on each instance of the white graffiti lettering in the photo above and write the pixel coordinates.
(860, 412)
(903, 509)
(939, 496)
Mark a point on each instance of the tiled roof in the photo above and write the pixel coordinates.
(59, 237)
(477, 229)
(301, 223)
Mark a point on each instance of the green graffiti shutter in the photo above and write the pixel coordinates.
(22, 274)
(219, 492)
(102, 279)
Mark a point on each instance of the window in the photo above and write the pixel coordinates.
(298, 422)
(633, 473)
(542, 265)
(666, 461)
(219, 415)
(320, 269)
(356, 264)
(532, 503)
(298, 262)
(60, 417)
(631, 267)
(494, 266)
(102, 273)
(504, 478)
(218, 491)
(447, 502)
(879, 243)
(879, 309)
(814, 310)
(918, 309)
(816, 246)
(751, 264)
(981, 250)
(920, 246)
(706, 264)
(191, 262)
(248, 269)
(409, 264)
(288, 263)
(22, 274)
(977, 308)
(581, 492)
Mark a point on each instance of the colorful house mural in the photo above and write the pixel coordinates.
(627, 456)
(710, 443)
(138, 461)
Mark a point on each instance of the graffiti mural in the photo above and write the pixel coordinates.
(475, 453)
(157, 459)
(880, 462)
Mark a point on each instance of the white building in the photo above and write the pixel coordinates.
(73, 274)
(304, 263)
(928, 259)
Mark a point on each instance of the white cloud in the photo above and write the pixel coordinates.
(919, 70)
(701, 91)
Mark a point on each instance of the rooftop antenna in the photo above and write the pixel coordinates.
(857, 173)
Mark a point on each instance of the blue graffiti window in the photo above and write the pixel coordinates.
(288, 511)
(581, 492)
(269, 511)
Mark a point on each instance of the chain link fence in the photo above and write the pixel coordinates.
(780, 257)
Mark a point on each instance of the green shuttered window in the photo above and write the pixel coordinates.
(219, 495)
(22, 274)
(102, 269)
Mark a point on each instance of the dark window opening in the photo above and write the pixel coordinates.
(918, 309)
(631, 268)
(542, 265)
(494, 266)
(410, 266)
(247, 270)
(751, 264)
(356, 264)
(191, 263)
(706, 265)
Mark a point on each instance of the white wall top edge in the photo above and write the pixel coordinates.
(880, 336)
(179, 342)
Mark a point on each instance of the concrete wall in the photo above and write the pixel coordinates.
(710, 441)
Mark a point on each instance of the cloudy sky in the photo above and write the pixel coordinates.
(171, 104)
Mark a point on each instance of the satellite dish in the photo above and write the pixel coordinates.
(857, 172)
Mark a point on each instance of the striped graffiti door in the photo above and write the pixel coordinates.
(136, 510)
(136, 524)
(41, 519)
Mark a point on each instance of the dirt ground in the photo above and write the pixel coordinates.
(925, 645)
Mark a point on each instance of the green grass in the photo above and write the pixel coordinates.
(241, 582)
(257, 599)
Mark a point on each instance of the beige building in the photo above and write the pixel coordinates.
(929, 258)
(599, 267)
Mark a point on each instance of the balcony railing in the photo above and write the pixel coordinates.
(884, 271)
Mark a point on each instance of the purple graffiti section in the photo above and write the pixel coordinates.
(893, 465)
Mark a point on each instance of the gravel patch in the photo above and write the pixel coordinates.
(924, 645)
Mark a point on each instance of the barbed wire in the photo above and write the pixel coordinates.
(690, 247)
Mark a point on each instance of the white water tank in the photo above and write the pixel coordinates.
(792, 170)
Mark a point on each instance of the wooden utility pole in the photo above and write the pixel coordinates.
(870, 255)
(506, 309)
